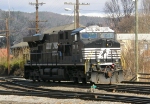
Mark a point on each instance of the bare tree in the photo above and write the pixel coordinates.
(145, 7)
(128, 7)
(126, 25)
(112, 8)
(118, 10)
(144, 20)
(113, 11)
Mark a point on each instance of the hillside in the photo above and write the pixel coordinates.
(21, 21)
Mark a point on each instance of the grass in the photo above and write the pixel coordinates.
(16, 66)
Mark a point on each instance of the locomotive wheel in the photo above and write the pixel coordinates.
(33, 80)
(84, 81)
(38, 78)
(91, 82)
(43, 80)
(76, 80)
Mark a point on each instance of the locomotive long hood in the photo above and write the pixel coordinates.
(36, 37)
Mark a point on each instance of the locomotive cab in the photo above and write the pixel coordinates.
(100, 53)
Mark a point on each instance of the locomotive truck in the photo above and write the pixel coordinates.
(89, 54)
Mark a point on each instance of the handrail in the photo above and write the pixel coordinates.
(143, 76)
(42, 58)
(144, 73)
(123, 62)
(41, 53)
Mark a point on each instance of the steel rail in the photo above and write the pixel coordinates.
(34, 91)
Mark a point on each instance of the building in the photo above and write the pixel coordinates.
(3, 55)
(129, 39)
(21, 50)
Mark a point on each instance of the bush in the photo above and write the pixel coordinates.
(3, 66)
(16, 66)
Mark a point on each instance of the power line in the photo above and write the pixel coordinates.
(76, 11)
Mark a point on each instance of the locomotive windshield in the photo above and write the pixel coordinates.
(107, 35)
(94, 35)
(88, 35)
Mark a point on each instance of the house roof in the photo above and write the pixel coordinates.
(64, 27)
(21, 44)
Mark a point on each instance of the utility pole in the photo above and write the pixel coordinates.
(8, 42)
(8, 45)
(136, 38)
(37, 18)
(76, 11)
(75, 17)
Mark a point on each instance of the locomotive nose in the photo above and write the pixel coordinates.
(109, 43)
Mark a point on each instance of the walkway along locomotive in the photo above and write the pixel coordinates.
(89, 54)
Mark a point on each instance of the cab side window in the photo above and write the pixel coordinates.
(68, 49)
(66, 35)
(61, 36)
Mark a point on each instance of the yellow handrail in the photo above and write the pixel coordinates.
(87, 60)
(123, 62)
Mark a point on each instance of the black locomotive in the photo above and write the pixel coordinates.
(89, 54)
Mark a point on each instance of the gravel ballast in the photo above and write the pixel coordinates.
(11, 99)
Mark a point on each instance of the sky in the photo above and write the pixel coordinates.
(96, 7)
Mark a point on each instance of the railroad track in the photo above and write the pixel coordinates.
(128, 88)
(17, 88)
(131, 82)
